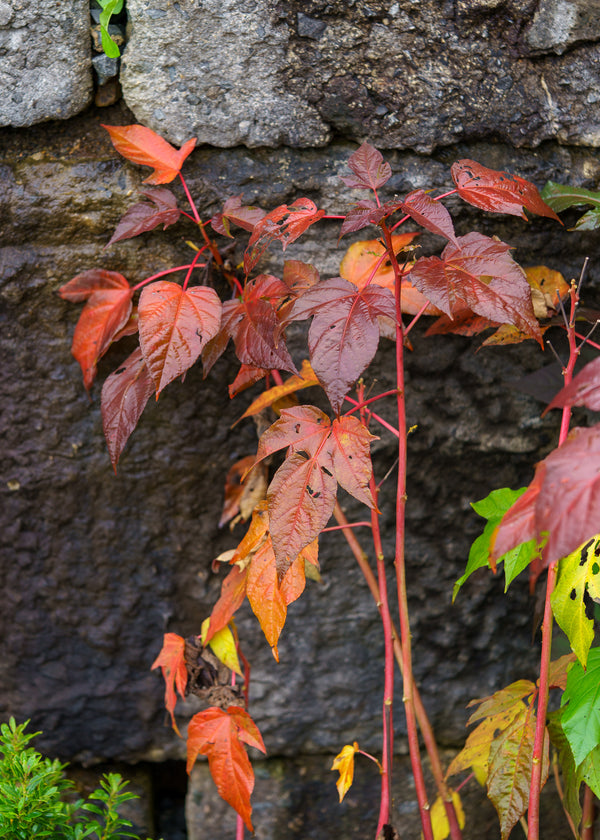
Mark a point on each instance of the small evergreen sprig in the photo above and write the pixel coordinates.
(31, 791)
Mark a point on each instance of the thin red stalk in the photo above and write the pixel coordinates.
(239, 828)
(588, 341)
(191, 268)
(379, 419)
(362, 404)
(589, 809)
(424, 725)
(213, 248)
(349, 525)
(160, 274)
(408, 690)
(533, 815)
(416, 318)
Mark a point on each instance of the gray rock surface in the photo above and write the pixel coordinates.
(407, 74)
(45, 60)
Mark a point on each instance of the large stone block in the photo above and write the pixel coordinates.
(406, 74)
(45, 60)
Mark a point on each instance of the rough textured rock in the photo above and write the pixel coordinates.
(404, 74)
(96, 567)
(45, 60)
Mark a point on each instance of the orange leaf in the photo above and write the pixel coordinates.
(219, 734)
(233, 592)
(547, 288)
(306, 378)
(265, 596)
(171, 661)
(174, 327)
(104, 315)
(344, 764)
(142, 145)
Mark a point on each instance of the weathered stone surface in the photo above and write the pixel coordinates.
(407, 74)
(45, 61)
(96, 567)
(297, 799)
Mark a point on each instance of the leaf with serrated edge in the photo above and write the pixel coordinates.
(143, 217)
(584, 389)
(497, 191)
(233, 592)
(124, 396)
(104, 315)
(509, 768)
(171, 660)
(265, 596)
(577, 573)
(174, 327)
(371, 171)
(352, 459)
(430, 214)
(218, 734)
(581, 707)
(142, 145)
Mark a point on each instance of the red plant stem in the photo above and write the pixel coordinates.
(408, 689)
(160, 274)
(349, 525)
(587, 821)
(379, 419)
(239, 828)
(416, 318)
(360, 405)
(424, 725)
(533, 815)
(191, 268)
(588, 341)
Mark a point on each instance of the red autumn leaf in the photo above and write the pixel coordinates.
(371, 171)
(233, 592)
(363, 214)
(561, 507)
(498, 191)
(252, 323)
(142, 145)
(584, 389)
(130, 328)
(174, 327)
(219, 734)
(172, 662)
(247, 376)
(344, 333)
(143, 217)
(430, 214)
(302, 494)
(299, 276)
(83, 285)
(104, 315)
(367, 262)
(124, 396)
(233, 211)
(284, 223)
(479, 275)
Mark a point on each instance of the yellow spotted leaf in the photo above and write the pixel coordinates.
(577, 573)
(344, 764)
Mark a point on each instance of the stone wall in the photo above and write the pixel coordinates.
(96, 567)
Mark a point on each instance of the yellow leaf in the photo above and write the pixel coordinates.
(223, 646)
(439, 820)
(344, 763)
(547, 287)
(272, 395)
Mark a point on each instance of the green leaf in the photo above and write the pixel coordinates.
(590, 770)
(493, 508)
(589, 220)
(571, 776)
(109, 8)
(581, 707)
(577, 573)
(560, 197)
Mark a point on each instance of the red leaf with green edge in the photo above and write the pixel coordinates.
(174, 326)
(509, 768)
(430, 214)
(104, 315)
(584, 389)
(344, 333)
(219, 734)
(562, 503)
(124, 396)
(143, 217)
(142, 145)
(83, 285)
(371, 171)
(233, 592)
(499, 192)
(245, 217)
(285, 224)
(252, 323)
(172, 662)
(479, 275)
